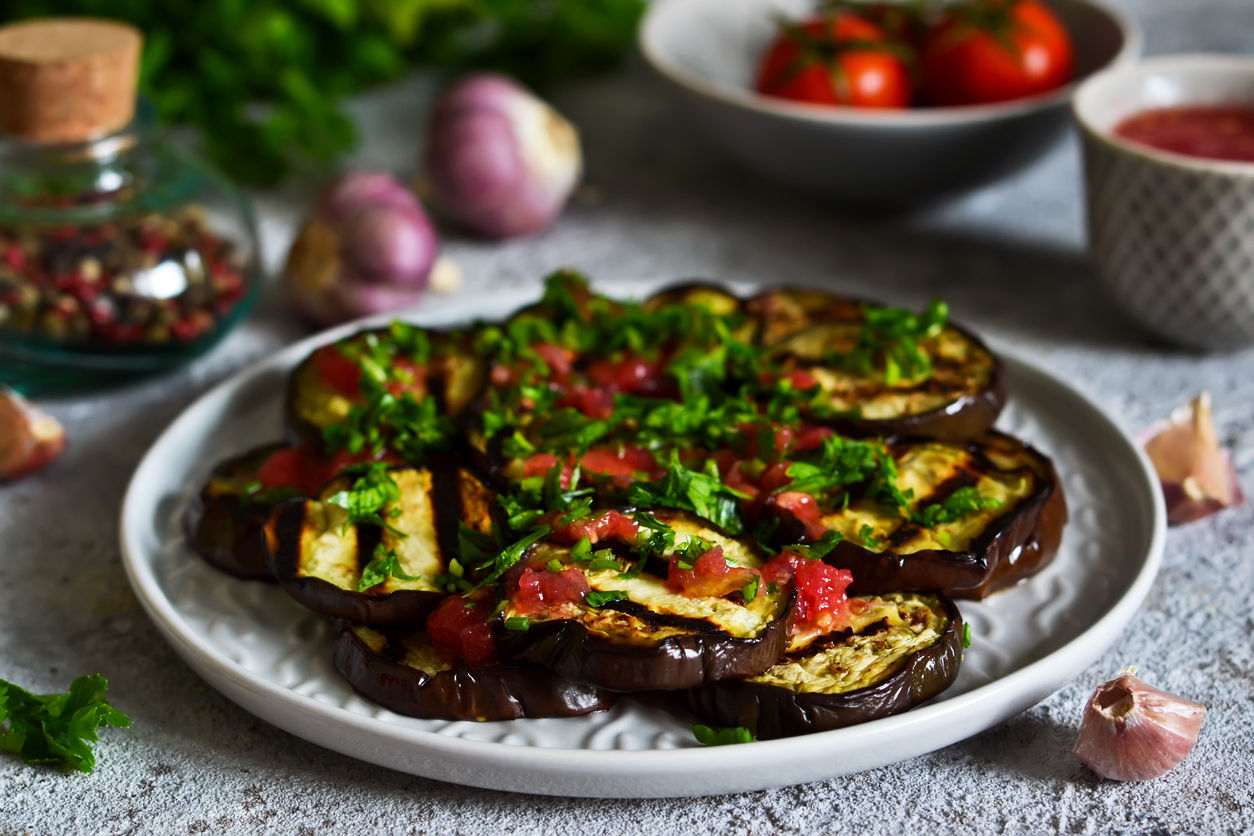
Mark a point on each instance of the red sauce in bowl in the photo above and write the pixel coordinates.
(1215, 133)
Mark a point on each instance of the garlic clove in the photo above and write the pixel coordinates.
(1197, 476)
(1134, 732)
(29, 437)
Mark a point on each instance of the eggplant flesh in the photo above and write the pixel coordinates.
(900, 650)
(403, 672)
(224, 520)
(455, 375)
(320, 558)
(971, 557)
(655, 639)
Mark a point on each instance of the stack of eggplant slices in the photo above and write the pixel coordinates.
(762, 507)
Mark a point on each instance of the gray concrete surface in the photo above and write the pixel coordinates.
(1009, 259)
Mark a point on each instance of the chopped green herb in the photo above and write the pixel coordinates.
(601, 563)
(711, 736)
(821, 547)
(384, 564)
(518, 623)
(555, 566)
(772, 588)
(867, 535)
(600, 599)
(966, 634)
(750, 590)
(57, 728)
(701, 492)
(373, 490)
(958, 504)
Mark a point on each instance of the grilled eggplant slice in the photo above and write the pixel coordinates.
(320, 558)
(224, 520)
(973, 556)
(901, 649)
(655, 638)
(404, 672)
(323, 388)
(956, 395)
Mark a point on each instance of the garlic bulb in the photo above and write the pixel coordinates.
(29, 437)
(1134, 732)
(1197, 476)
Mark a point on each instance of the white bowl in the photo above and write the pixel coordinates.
(1172, 236)
(709, 51)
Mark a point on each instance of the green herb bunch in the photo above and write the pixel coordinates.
(263, 79)
(57, 728)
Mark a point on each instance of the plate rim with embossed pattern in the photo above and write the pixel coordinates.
(657, 772)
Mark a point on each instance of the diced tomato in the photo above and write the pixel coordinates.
(591, 401)
(624, 461)
(545, 591)
(801, 379)
(557, 359)
(608, 526)
(465, 631)
(784, 438)
(631, 375)
(284, 469)
(821, 599)
(710, 576)
(804, 508)
(413, 378)
(810, 437)
(775, 477)
(502, 376)
(337, 371)
(304, 469)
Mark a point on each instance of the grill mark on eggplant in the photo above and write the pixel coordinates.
(657, 619)
(368, 539)
(828, 640)
(446, 504)
(289, 525)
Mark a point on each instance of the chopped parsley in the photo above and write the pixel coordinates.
(713, 736)
(701, 492)
(518, 623)
(57, 728)
(966, 634)
(372, 491)
(889, 342)
(821, 547)
(958, 504)
(600, 599)
(750, 590)
(384, 564)
(867, 535)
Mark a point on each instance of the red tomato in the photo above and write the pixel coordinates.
(710, 576)
(624, 461)
(597, 404)
(804, 508)
(545, 591)
(413, 375)
(821, 599)
(464, 631)
(968, 59)
(835, 61)
(556, 358)
(605, 527)
(631, 375)
(337, 371)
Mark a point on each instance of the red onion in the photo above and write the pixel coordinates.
(368, 248)
(1197, 476)
(500, 161)
(29, 437)
(1134, 732)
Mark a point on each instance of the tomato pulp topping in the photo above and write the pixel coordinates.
(608, 526)
(1214, 133)
(821, 600)
(621, 464)
(709, 576)
(337, 371)
(304, 469)
(462, 626)
(544, 590)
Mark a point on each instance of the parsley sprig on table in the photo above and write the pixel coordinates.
(57, 728)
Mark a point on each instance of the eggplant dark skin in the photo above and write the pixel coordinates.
(771, 711)
(675, 663)
(375, 666)
(1015, 546)
(787, 313)
(223, 526)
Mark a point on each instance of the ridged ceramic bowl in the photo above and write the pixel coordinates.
(1172, 236)
(709, 50)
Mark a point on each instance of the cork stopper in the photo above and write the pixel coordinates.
(67, 79)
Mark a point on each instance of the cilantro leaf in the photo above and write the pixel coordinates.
(57, 728)
(370, 493)
(958, 504)
(713, 736)
(701, 492)
(385, 563)
(600, 599)
(822, 547)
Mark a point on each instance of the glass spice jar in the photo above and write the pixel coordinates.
(120, 256)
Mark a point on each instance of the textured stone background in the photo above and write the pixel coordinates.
(1009, 259)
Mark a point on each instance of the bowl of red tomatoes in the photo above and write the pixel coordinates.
(884, 104)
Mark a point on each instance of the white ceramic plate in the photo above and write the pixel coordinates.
(264, 651)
